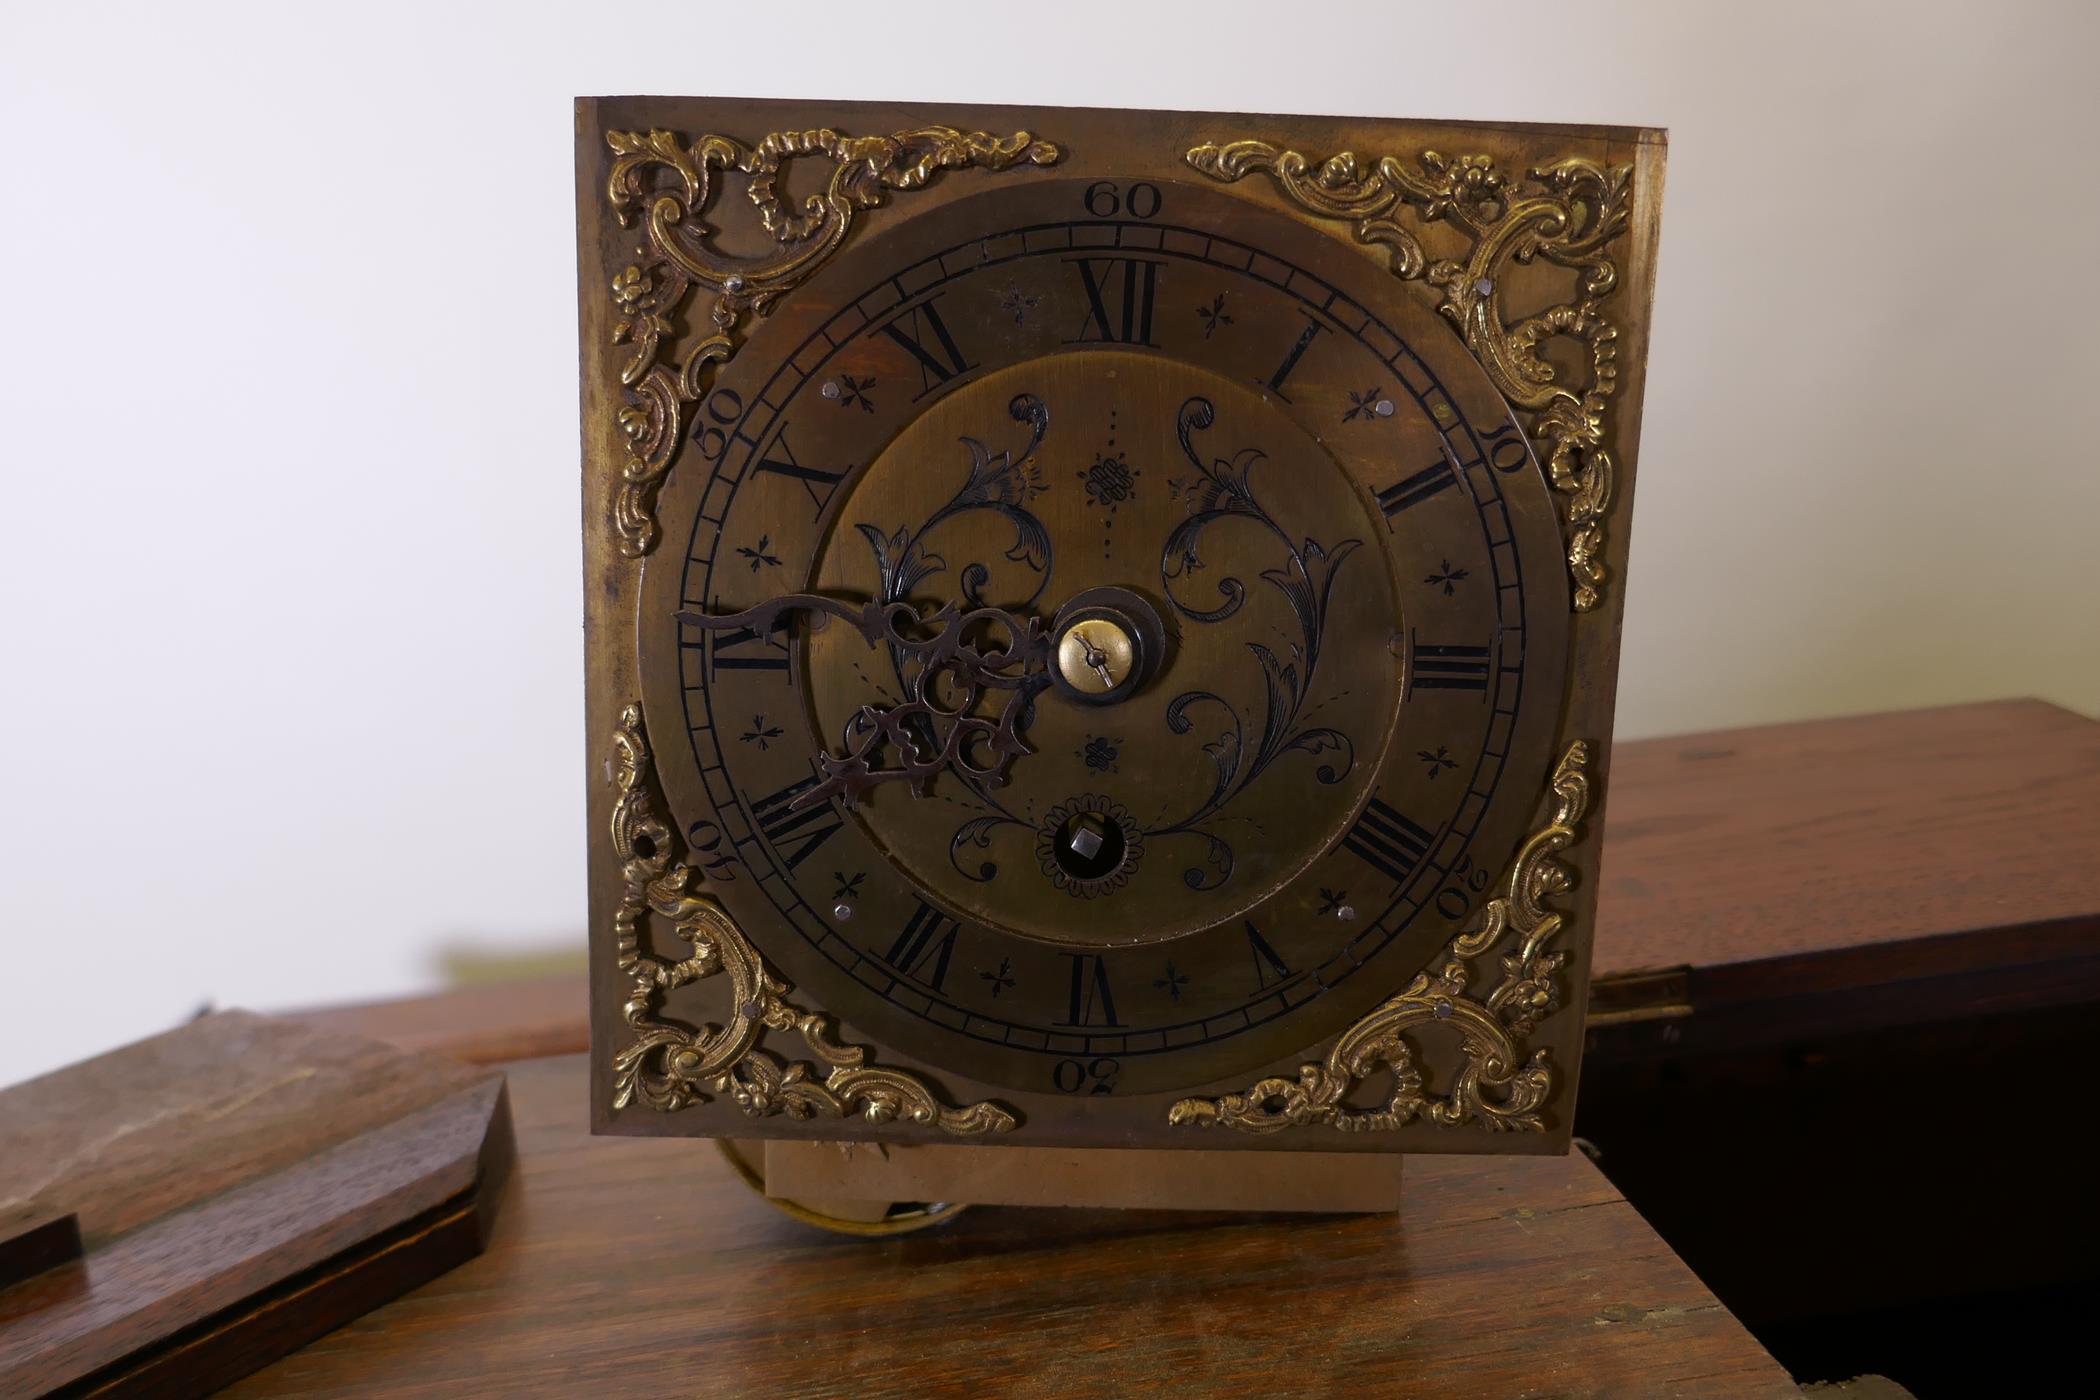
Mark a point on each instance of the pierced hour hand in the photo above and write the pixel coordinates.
(967, 653)
(1100, 649)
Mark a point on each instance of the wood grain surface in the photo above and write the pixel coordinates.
(485, 1024)
(229, 1177)
(1937, 831)
(1849, 875)
(628, 1266)
(1776, 881)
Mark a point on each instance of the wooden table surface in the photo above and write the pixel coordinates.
(1763, 888)
(1776, 881)
(631, 1266)
(1835, 874)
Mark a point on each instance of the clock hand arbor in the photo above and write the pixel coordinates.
(1096, 659)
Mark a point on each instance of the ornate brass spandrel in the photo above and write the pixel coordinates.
(1499, 1087)
(666, 185)
(669, 1066)
(1567, 213)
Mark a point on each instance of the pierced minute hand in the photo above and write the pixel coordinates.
(924, 736)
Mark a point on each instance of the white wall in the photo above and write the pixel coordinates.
(287, 384)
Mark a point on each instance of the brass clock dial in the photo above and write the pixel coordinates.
(1107, 636)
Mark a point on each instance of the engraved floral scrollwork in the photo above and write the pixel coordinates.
(669, 1066)
(1566, 213)
(1219, 489)
(666, 186)
(1498, 1087)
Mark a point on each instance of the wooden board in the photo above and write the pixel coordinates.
(240, 1186)
(1884, 935)
(35, 1239)
(1849, 874)
(1792, 867)
(485, 1024)
(634, 1266)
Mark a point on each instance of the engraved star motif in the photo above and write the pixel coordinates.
(759, 554)
(1367, 406)
(1173, 982)
(1448, 577)
(1000, 980)
(855, 391)
(1018, 302)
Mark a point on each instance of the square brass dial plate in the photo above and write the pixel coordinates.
(1101, 624)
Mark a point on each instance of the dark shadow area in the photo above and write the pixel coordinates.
(1913, 1202)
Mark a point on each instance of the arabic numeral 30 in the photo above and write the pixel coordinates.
(1095, 1076)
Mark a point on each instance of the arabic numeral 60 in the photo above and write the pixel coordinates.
(1105, 199)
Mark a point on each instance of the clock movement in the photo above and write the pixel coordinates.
(1101, 624)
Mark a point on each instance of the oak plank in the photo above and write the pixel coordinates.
(240, 1185)
(1964, 834)
(484, 1024)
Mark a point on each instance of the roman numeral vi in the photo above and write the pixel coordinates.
(1093, 1000)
